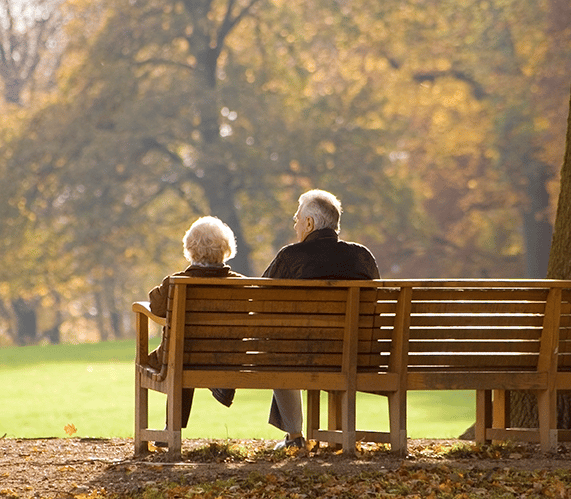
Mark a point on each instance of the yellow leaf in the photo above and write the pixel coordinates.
(70, 429)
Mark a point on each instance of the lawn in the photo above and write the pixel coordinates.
(91, 386)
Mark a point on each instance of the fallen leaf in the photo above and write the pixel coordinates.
(70, 429)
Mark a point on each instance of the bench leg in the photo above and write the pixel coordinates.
(397, 422)
(313, 414)
(484, 415)
(500, 410)
(334, 410)
(348, 421)
(141, 415)
(174, 423)
(547, 416)
(175, 445)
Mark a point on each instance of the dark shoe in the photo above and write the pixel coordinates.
(224, 395)
(286, 443)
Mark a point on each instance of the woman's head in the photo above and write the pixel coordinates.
(209, 241)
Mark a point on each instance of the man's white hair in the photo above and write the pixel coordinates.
(209, 241)
(323, 207)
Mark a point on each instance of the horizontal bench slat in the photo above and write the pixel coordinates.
(250, 331)
(228, 293)
(474, 361)
(476, 320)
(283, 307)
(479, 307)
(303, 360)
(257, 345)
(240, 332)
(278, 345)
(462, 333)
(265, 379)
(499, 347)
(263, 360)
(469, 380)
(264, 320)
(489, 295)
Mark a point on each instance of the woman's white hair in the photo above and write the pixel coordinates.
(209, 241)
(323, 207)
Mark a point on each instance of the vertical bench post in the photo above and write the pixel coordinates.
(399, 364)
(484, 414)
(141, 394)
(547, 400)
(174, 377)
(313, 414)
(349, 369)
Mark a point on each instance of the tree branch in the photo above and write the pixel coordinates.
(477, 89)
(230, 22)
(164, 62)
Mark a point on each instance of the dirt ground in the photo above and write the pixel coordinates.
(86, 468)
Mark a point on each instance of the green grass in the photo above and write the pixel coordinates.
(45, 388)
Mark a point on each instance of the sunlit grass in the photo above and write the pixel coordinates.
(92, 387)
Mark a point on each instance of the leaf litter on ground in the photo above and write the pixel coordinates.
(414, 478)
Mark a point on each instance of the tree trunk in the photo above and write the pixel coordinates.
(114, 324)
(217, 180)
(537, 228)
(100, 316)
(559, 258)
(523, 406)
(221, 198)
(26, 322)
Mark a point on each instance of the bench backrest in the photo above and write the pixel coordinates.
(488, 328)
(262, 324)
(259, 324)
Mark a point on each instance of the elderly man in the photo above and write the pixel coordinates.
(318, 254)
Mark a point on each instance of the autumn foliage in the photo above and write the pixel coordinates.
(439, 124)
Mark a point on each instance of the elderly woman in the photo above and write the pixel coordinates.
(208, 244)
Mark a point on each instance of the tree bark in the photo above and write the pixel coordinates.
(524, 405)
(559, 258)
(537, 228)
(26, 322)
(217, 180)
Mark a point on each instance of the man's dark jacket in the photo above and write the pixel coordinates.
(322, 255)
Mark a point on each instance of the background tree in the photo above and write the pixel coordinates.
(31, 44)
(426, 119)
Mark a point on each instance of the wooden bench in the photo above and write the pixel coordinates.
(261, 333)
(385, 337)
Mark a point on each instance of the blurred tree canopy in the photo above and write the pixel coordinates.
(440, 124)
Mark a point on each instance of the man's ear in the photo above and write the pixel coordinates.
(310, 225)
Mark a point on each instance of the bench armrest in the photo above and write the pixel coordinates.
(143, 316)
(144, 307)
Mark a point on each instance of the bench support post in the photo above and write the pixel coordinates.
(547, 399)
(334, 407)
(313, 414)
(174, 377)
(398, 364)
(484, 414)
(141, 394)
